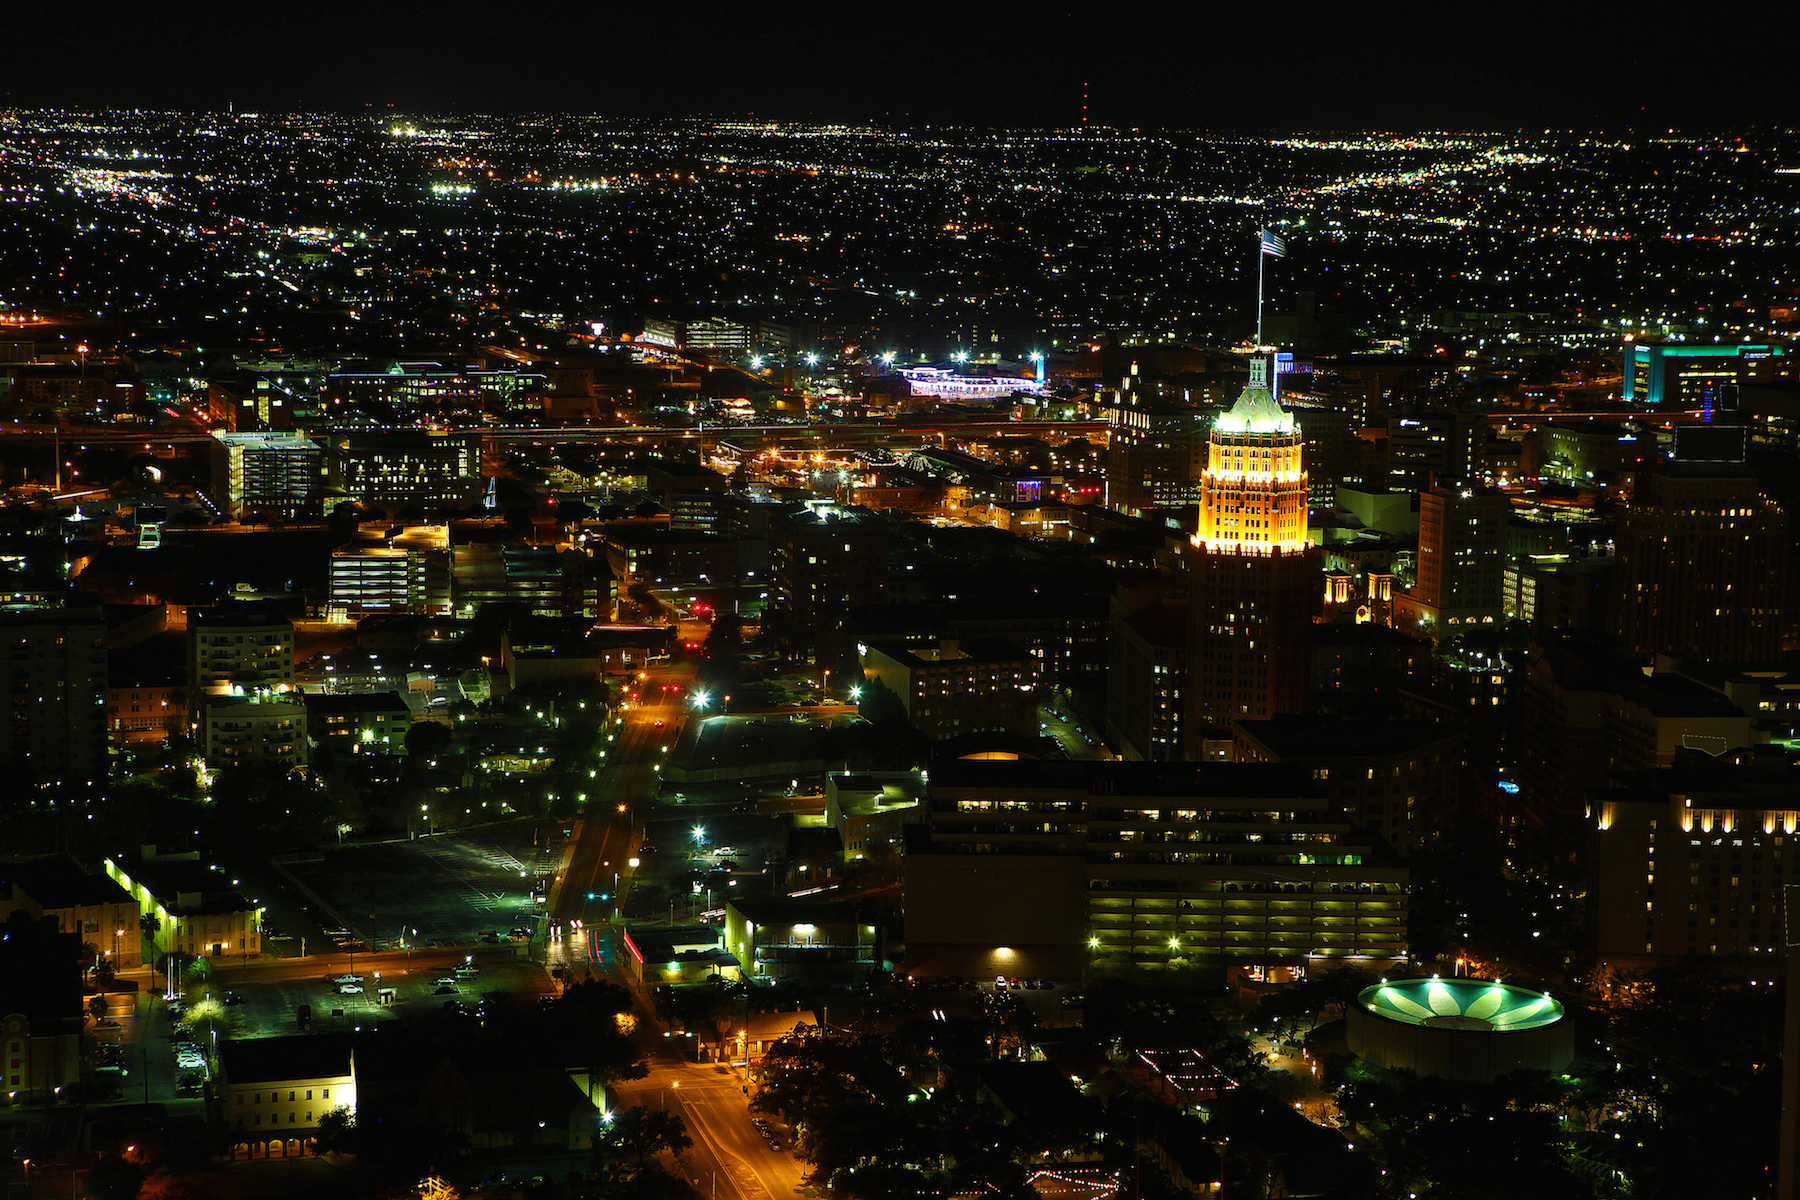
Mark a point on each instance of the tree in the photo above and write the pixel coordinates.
(640, 1132)
(337, 1131)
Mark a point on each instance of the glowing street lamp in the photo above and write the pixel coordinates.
(701, 699)
(856, 693)
(699, 834)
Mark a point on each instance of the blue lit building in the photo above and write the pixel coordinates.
(1692, 376)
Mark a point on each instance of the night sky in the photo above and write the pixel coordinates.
(1223, 66)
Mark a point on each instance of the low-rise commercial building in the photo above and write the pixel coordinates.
(805, 938)
(274, 1091)
(94, 906)
(198, 911)
(362, 723)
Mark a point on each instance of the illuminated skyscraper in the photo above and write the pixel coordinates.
(1253, 578)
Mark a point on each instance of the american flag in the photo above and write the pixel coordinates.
(1272, 244)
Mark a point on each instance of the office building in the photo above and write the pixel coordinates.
(267, 473)
(957, 687)
(1701, 566)
(1039, 867)
(661, 556)
(548, 581)
(1147, 677)
(1697, 376)
(692, 494)
(1253, 578)
(1156, 453)
(1692, 859)
(1588, 710)
(809, 939)
(399, 470)
(54, 669)
(263, 730)
(1424, 448)
(1461, 577)
(824, 560)
(1395, 778)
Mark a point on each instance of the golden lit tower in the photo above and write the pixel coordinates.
(1253, 578)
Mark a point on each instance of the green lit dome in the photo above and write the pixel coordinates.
(1475, 1005)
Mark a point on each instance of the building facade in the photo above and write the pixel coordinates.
(1701, 565)
(958, 687)
(1052, 864)
(824, 560)
(1253, 578)
(238, 649)
(271, 472)
(1462, 561)
(53, 669)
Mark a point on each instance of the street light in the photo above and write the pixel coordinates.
(701, 699)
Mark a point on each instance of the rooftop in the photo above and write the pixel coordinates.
(59, 882)
(1474, 1005)
(268, 1060)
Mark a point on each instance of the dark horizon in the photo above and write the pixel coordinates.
(1233, 69)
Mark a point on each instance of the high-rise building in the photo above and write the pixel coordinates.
(1146, 676)
(1425, 447)
(1156, 451)
(1462, 560)
(55, 673)
(1721, 824)
(1701, 565)
(824, 560)
(268, 472)
(1253, 578)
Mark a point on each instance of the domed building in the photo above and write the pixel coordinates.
(1474, 1029)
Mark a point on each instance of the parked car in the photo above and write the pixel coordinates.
(446, 991)
(347, 979)
(350, 989)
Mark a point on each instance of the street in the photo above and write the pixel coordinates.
(729, 1157)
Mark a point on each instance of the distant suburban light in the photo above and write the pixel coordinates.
(699, 833)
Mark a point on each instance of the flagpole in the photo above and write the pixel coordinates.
(1261, 258)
